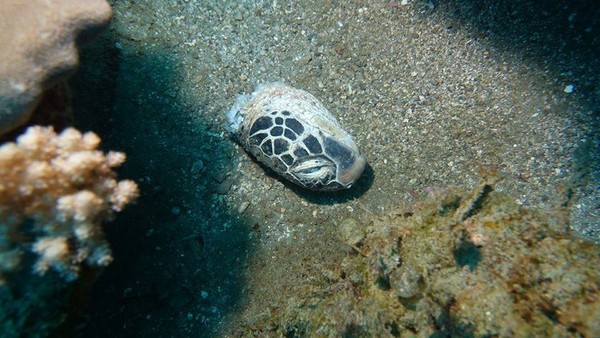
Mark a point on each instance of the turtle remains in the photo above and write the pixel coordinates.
(291, 132)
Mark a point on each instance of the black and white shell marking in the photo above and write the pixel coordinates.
(291, 132)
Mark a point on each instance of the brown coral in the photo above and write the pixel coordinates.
(65, 188)
(38, 51)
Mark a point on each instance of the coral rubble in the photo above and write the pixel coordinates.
(458, 264)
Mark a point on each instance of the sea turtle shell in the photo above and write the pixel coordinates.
(291, 132)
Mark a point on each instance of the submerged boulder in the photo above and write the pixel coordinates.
(457, 264)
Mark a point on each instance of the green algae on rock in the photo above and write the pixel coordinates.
(458, 264)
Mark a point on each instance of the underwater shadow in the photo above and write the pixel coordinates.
(561, 36)
(179, 251)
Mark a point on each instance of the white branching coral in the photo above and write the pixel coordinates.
(55, 192)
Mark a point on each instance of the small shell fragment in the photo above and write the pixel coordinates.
(291, 132)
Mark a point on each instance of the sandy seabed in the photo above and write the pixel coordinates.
(435, 95)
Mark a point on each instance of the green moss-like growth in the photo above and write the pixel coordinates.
(466, 265)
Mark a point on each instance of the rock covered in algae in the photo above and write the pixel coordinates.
(291, 132)
(474, 265)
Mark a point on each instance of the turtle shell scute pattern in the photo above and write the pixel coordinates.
(312, 160)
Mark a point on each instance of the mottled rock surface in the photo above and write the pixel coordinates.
(39, 42)
(464, 265)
